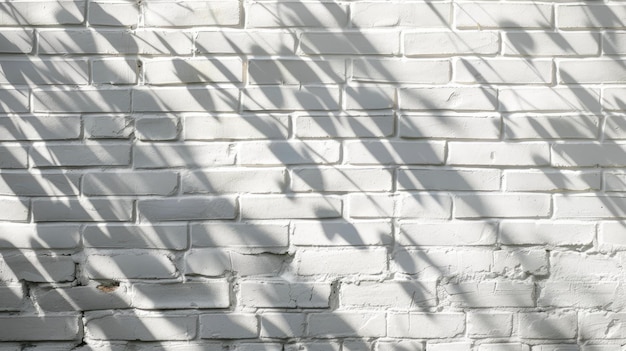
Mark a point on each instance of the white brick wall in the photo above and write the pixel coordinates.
(346, 175)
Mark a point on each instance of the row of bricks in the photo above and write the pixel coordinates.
(381, 125)
(278, 235)
(313, 98)
(386, 42)
(281, 153)
(265, 71)
(425, 205)
(432, 263)
(560, 325)
(329, 15)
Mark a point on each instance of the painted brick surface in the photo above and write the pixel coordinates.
(346, 175)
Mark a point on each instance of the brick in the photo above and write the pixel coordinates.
(130, 183)
(448, 179)
(394, 152)
(191, 13)
(284, 294)
(403, 295)
(552, 233)
(314, 346)
(501, 154)
(192, 70)
(552, 127)
(346, 324)
(449, 346)
(334, 126)
(292, 71)
(601, 71)
(82, 210)
(489, 325)
(208, 262)
(432, 325)
(450, 127)
(399, 344)
(610, 236)
(12, 297)
(83, 100)
(399, 14)
(498, 293)
(234, 181)
(578, 294)
(425, 206)
(504, 347)
(266, 346)
(549, 99)
(39, 328)
(144, 236)
(80, 155)
(188, 208)
(552, 180)
(441, 262)
(602, 325)
(550, 44)
(480, 15)
(115, 71)
(590, 16)
(140, 327)
(402, 71)
(239, 235)
(29, 236)
(235, 128)
(157, 128)
(229, 326)
(276, 15)
(37, 128)
(270, 206)
(205, 294)
(350, 43)
(613, 43)
(332, 261)
(82, 298)
(502, 205)
(14, 100)
(283, 325)
(445, 98)
(341, 233)
(129, 266)
(162, 155)
(612, 99)
(373, 205)
(108, 126)
(39, 184)
(583, 267)
(369, 97)
(188, 99)
(557, 347)
(521, 262)
(504, 71)
(44, 72)
(246, 42)
(447, 43)
(289, 152)
(287, 98)
(16, 41)
(453, 233)
(114, 42)
(614, 126)
(588, 155)
(267, 264)
(580, 206)
(12, 209)
(118, 13)
(38, 13)
(341, 179)
(37, 269)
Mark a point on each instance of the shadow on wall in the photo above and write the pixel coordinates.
(302, 183)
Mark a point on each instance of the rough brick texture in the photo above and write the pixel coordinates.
(337, 175)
